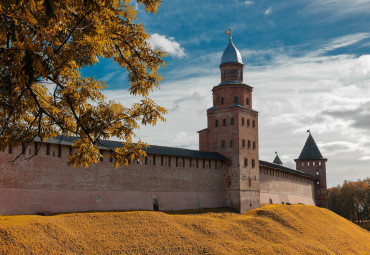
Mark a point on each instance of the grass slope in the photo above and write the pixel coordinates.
(272, 229)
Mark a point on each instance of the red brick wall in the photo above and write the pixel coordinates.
(279, 187)
(46, 183)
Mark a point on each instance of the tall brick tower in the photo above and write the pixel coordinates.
(312, 162)
(233, 132)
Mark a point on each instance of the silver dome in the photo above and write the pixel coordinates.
(231, 54)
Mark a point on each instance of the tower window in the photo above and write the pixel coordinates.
(240, 73)
(233, 72)
(317, 172)
(232, 121)
(242, 121)
(177, 161)
(248, 123)
(222, 100)
(319, 163)
(10, 149)
(253, 124)
(231, 143)
(236, 101)
(254, 145)
(161, 160)
(224, 122)
(253, 164)
(216, 123)
(169, 160)
(223, 144)
(247, 101)
(153, 159)
(226, 73)
(23, 148)
(245, 162)
(249, 144)
(243, 143)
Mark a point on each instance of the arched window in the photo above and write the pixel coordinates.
(233, 72)
(245, 162)
(236, 100)
(222, 100)
(232, 121)
(243, 143)
(248, 123)
(247, 101)
(226, 73)
(253, 124)
(242, 121)
(223, 144)
(231, 143)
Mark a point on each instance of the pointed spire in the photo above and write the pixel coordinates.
(277, 159)
(310, 149)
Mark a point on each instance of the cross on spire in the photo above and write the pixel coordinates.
(228, 32)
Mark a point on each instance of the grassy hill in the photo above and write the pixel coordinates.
(273, 229)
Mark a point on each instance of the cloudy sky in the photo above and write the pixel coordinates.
(308, 61)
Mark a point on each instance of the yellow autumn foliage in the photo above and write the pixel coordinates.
(43, 46)
(272, 229)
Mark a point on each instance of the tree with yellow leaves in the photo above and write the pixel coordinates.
(44, 43)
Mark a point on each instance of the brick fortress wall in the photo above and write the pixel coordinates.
(279, 187)
(45, 184)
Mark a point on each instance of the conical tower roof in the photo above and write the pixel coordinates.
(231, 54)
(277, 160)
(310, 149)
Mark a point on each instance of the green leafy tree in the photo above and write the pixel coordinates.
(44, 43)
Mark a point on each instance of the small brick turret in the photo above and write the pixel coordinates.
(312, 162)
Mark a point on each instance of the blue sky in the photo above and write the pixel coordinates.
(308, 62)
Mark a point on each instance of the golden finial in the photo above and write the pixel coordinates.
(228, 32)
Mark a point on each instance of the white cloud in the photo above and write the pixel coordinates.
(248, 2)
(268, 11)
(340, 7)
(167, 44)
(365, 158)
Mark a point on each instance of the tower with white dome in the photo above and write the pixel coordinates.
(232, 130)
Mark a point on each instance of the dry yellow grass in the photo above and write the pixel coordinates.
(272, 229)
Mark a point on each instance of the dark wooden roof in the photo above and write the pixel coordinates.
(285, 169)
(277, 160)
(152, 149)
(310, 150)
